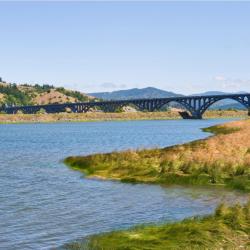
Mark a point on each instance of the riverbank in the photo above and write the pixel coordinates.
(100, 116)
(220, 160)
(228, 228)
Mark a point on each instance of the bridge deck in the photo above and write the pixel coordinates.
(195, 105)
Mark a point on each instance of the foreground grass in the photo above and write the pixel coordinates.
(228, 228)
(220, 160)
(99, 116)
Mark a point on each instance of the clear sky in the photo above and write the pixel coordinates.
(103, 46)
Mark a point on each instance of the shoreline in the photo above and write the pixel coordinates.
(100, 117)
(199, 162)
(227, 228)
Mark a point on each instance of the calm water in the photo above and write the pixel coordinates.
(43, 204)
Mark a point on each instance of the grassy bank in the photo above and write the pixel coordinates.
(220, 160)
(99, 116)
(228, 228)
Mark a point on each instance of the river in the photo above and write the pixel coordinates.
(44, 204)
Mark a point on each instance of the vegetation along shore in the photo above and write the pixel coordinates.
(228, 228)
(101, 116)
(221, 160)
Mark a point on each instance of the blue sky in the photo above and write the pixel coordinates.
(103, 46)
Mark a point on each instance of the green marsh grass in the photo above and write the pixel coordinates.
(228, 228)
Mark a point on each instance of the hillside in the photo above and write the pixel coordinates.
(135, 93)
(24, 94)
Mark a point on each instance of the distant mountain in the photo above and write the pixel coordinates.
(232, 105)
(212, 93)
(219, 93)
(135, 93)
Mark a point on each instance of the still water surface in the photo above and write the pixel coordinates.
(44, 205)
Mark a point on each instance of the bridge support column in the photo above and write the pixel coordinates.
(186, 115)
(196, 117)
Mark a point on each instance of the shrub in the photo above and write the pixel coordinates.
(19, 112)
(41, 111)
(68, 110)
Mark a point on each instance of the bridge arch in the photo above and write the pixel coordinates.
(189, 110)
(196, 106)
(148, 104)
(243, 100)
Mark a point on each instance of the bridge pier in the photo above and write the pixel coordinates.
(186, 115)
(197, 116)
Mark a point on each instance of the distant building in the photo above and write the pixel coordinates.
(1, 79)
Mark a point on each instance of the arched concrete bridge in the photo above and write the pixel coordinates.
(195, 105)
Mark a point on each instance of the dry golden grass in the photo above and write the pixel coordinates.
(224, 149)
(100, 116)
(225, 113)
(53, 96)
(1, 97)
